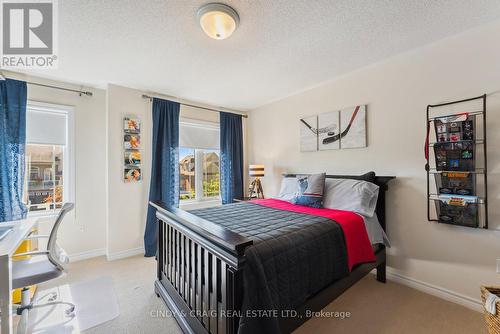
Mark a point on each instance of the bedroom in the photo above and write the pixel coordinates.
(94, 135)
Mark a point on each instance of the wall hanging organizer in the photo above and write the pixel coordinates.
(131, 144)
(456, 155)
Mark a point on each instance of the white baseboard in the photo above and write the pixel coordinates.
(392, 275)
(102, 252)
(87, 255)
(454, 297)
(125, 253)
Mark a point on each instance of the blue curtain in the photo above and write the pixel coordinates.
(231, 164)
(12, 144)
(165, 166)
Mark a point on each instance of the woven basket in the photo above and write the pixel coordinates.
(492, 320)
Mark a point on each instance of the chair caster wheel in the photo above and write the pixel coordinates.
(70, 312)
(52, 297)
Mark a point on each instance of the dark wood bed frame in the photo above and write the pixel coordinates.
(200, 270)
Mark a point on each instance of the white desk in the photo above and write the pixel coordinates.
(8, 246)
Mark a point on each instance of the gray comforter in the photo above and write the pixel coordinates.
(294, 256)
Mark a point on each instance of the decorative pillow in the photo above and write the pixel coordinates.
(351, 195)
(310, 190)
(288, 189)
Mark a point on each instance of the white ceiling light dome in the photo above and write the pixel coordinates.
(218, 20)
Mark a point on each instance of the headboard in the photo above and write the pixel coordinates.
(381, 181)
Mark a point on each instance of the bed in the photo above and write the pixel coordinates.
(233, 269)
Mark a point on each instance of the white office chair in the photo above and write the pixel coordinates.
(42, 266)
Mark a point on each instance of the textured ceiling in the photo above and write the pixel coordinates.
(281, 46)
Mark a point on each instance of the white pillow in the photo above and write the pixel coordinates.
(288, 189)
(351, 195)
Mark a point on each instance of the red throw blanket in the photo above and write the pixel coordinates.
(359, 249)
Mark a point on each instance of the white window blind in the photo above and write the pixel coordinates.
(198, 134)
(46, 127)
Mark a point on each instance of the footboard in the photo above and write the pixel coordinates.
(199, 271)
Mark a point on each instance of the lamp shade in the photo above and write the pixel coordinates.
(256, 170)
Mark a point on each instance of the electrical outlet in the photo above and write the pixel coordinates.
(498, 266)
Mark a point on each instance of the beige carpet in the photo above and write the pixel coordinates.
(374, 308)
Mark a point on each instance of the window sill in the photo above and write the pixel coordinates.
(190, 205)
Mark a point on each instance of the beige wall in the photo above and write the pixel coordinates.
(397, 92)
(83, 233)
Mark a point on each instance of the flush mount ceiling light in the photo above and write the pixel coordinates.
(217, 20)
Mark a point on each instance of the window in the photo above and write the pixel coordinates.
(199, 161)
(48, 157)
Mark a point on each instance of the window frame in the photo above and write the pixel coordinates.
(198, 180)
(68, 152)
(198, 166)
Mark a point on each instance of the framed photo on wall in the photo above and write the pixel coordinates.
(131, 141)
(353, 127)
(131, 125)
(132, 174)
(329, 131)
(309, 134)
(132, 158)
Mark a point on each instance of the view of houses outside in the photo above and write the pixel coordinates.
(186, 171)
(44, 182)
(210, 173)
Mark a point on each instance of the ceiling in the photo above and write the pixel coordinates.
(280, 48)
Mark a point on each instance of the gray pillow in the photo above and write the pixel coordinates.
(351, 195)
(288, 189)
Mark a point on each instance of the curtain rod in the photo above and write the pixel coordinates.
(150, 98)
(81, 92)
